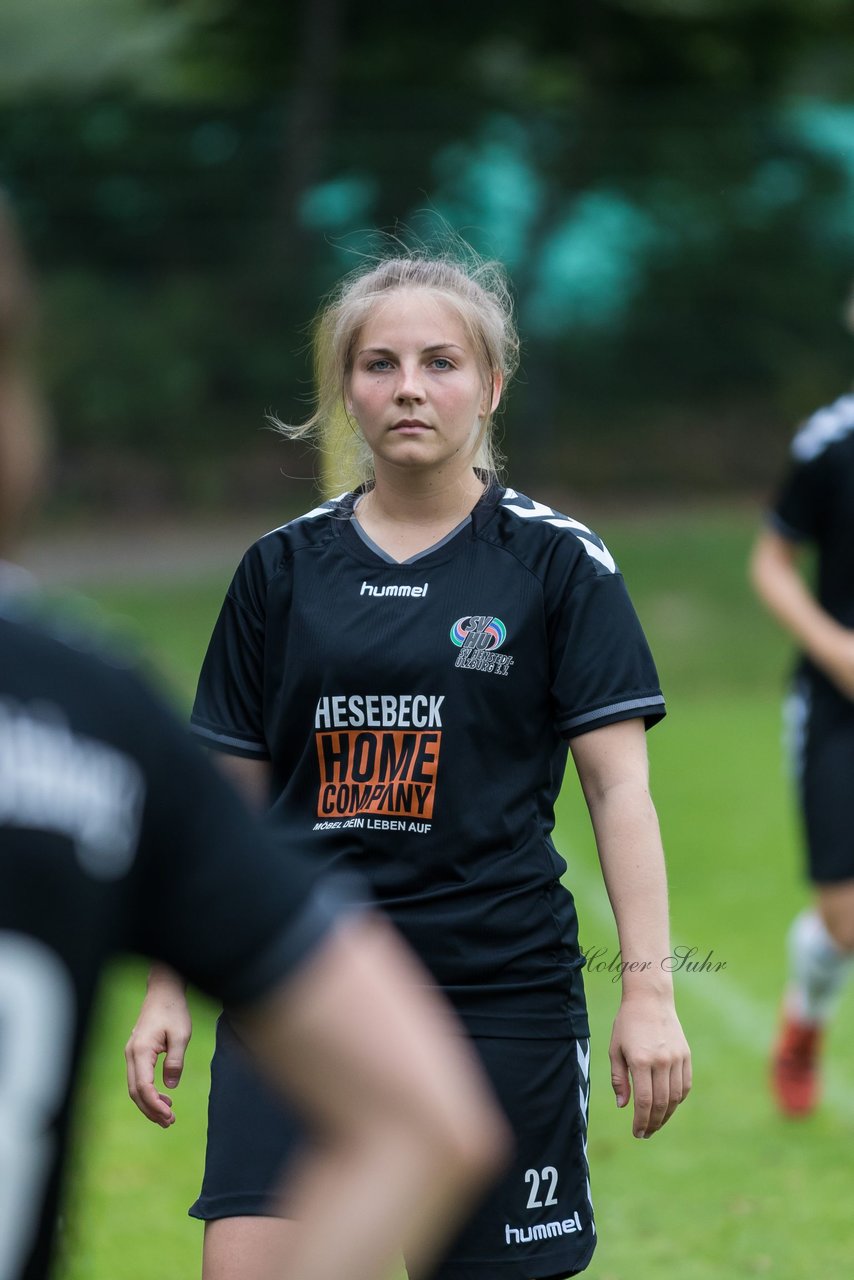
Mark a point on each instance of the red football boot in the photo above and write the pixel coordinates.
(794, 1066)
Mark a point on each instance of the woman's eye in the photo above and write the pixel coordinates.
(442, 362)
(379, 366)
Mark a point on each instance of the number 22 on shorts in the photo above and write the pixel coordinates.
(542, 1178)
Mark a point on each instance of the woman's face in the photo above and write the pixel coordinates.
(415, 388)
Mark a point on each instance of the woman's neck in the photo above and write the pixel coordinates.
(406, 519)
(409, 499)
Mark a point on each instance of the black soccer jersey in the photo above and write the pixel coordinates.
(416, 718)
(115, 834)
(816, 502)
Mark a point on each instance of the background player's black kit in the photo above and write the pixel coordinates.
(815, 506)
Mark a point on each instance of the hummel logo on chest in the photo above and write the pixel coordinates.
(403, 590)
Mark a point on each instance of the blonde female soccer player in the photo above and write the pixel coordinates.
(399, 674)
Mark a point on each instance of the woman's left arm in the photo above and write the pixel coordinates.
(648, 1048)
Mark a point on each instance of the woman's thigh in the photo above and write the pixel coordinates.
(243, 1247)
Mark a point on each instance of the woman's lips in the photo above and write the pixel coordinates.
(408, 426)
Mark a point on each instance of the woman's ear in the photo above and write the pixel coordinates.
(492, 393)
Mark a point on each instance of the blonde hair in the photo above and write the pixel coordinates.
(479, 293)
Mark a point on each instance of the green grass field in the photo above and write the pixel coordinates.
(728, 1189)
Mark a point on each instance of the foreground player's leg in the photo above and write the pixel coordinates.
(820, 944)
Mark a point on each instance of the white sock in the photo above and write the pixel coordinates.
(817, 968)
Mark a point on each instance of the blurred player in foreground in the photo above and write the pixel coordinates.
(815, 508)
(115, 834)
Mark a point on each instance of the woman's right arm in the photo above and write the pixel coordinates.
(777, 580)
(164, 1025)
(251, 778)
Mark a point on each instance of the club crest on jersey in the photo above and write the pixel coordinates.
(477, 637)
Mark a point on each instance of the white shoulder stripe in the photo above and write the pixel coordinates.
(535, 509)
(325, 509)
(824, 428)
(528, 509)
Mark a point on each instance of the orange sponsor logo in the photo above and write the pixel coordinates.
(388, 771)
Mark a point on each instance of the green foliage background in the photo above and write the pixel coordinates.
(670, 183)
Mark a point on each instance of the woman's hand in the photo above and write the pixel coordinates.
(649, 1050)
(164, 1026)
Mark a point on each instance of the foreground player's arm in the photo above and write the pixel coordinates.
(777, 580)
(164, 1025)
(648, 1048)
(362, 1043)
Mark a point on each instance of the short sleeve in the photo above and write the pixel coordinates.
(805, 500)
(601, 666)
(800, 506)
(228, 712)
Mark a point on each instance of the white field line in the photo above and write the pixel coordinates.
(746, 1021)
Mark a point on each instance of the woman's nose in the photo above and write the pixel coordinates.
(410, 385)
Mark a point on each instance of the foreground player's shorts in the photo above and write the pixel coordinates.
(536, 1222)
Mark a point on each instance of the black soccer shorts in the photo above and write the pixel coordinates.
(536, 1222)
(821, 735)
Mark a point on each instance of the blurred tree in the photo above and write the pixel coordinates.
(51, 47)
(667, 179)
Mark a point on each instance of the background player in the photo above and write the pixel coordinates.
(399, 673)
(116, 834)
(815, 507)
